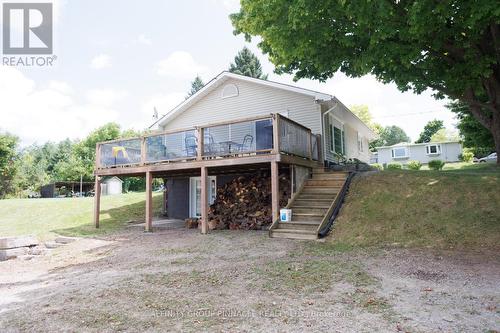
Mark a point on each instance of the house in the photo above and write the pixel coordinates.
(112, 185)
(422, 152)
(237, 125)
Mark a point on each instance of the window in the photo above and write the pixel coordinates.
(400, 152)
(337, 136)
(230, 90)
(433, 149)
(360, 143)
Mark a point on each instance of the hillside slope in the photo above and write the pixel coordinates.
(446, 209)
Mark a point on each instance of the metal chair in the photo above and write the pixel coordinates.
(246, 146)
(191, 143)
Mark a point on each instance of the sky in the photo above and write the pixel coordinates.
(117, 60)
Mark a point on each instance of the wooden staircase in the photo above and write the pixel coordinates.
(312, 205)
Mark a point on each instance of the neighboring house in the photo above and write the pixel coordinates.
(112, 185)
(232, 126)
(423, 152)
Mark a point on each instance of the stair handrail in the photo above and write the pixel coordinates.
(289, 204)
(333, 210)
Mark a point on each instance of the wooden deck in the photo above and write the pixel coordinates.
(192, 150)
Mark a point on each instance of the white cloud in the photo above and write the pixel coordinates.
(162, 102)
(229, 5)
(101, 61)
(180, 64)
(142, 39)
(104, 97)
(39, 114)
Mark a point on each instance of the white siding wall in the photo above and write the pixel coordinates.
(449, 153)
(352, 126)
(253, 100)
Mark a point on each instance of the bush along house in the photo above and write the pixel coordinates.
(240, 149)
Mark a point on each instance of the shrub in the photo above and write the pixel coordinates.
(414, 165)
(394, 166)
(467, 155)
(436, 164)
(377, 166)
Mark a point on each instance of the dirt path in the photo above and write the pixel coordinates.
(179, 280)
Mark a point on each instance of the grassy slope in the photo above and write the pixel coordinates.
(442, 209)
(70, 216)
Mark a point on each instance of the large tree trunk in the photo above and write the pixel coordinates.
(491, 118)
(495, 131)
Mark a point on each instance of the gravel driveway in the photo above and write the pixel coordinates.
(179, 280)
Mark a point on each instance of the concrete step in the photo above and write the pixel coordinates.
(19, 241)
(65, 240)
(293, 234)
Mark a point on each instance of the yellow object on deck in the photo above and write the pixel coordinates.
(117, 149)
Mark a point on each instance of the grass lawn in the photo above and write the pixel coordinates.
(70, 216)
(456, 207)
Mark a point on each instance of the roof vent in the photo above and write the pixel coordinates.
(230, 90)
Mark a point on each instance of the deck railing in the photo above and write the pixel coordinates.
(272, 134)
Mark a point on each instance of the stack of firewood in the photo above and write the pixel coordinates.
(245, 202)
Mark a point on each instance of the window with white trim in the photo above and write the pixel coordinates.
(433, 149)
(337, 136)
(400, 152)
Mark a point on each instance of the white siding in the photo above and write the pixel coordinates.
(253, 100)
(450, 152)
(352, 126)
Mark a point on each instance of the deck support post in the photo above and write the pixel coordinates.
(204, 200)
(97, 201)
(165, 198)
(275, 199)
(148, 226)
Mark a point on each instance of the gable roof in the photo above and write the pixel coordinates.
(223, 77)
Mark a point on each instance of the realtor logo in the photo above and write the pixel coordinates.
(27, 28)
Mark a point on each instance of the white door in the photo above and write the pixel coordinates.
(195, 194)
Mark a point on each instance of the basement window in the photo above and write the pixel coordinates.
(400, 152)
(433, 149)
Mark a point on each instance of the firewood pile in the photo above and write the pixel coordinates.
(245, 202)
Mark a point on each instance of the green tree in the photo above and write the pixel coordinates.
(85, 150)
(32, 171)
(389, 136)
(196, 85)
(363, 113)
(429, 130)
(452, 47)
(8, 165)
(444, 135)
(474, 134)
(246, 63)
